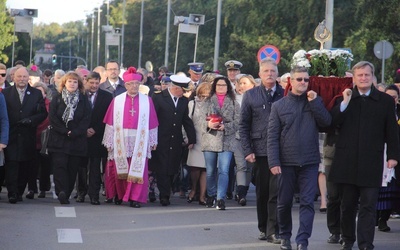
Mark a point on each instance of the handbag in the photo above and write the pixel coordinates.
(44, 138)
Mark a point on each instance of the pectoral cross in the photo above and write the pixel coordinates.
(132, 111)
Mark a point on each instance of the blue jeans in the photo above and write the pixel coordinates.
(217, 162)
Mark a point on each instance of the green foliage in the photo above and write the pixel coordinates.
(246, 26)
(6, 31)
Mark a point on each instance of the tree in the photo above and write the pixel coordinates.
(6, 31)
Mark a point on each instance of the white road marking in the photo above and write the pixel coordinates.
(69, 236)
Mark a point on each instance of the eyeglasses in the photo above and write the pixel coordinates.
(221, 85)
(301, 79)
(3, 75)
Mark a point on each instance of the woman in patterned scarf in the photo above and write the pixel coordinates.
(69, 119)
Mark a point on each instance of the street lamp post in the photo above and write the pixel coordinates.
(98, 35)
(123, 33)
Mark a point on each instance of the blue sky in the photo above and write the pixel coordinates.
(59, 11)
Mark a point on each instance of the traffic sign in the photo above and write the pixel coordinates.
(269, 51)
(383, 49)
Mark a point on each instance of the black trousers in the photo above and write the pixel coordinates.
(12, 177)
(27, 174)
(333, 206)
(164, 184)
(94, 177)
(266, 194)
(65, 171)
(368, 197)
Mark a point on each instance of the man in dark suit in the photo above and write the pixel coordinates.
(100, 100)
(26, 110)
(173, 113)
(366, 121)
(114, 84)
(253, 130)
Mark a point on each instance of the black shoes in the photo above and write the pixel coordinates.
(62, 197)
(229, 195)
(152, 197)
(382, 226)
(274, 239)
(262, 236)
(334, 239)
(165, 202)
(13, 198)
(94, 201)
(346, 246)
(80, 199)
(210, 202)
(285, 244)
(242, 201)
(220, 205)
(302, 247)
(134, 204)
(42, 194)
(30, 195)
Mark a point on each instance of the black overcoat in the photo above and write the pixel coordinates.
(22, 138)
(364, 128)
(59, 141)
(102, 101)
(167, 157)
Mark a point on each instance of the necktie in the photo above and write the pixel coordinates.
(91, 99)
(269, 96)
(21, 95)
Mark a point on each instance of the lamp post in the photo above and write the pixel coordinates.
(141, 36)
(167, 34)
(217, 35)
(98, 35)
(91, 42)
(123, 33)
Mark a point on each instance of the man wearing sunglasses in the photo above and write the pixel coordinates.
(293, 154)
(3, 73)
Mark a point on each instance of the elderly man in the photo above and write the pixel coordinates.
(293, 154)
(253, 130)
(130, 135)
(26, 110)
(366, 121)
(173, 113)
(114, 84)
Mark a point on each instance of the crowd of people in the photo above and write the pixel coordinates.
(138, 134)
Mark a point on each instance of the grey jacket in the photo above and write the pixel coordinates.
(218, 141)
(293, 130)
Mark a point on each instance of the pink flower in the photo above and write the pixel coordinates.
(34, 68)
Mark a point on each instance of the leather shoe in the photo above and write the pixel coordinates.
(164, 202)
(135, 204)
(109, 200)
(80, 199)
(13, 198)
(152, 197)
(346, 246)
(30, 195)
(42, 194)
(334, 238)
(95, 201)
(62, 197)
(19, 198)
(273, 239)
(262, 236)
(285, 244)
(301, 247)
(242, 201)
